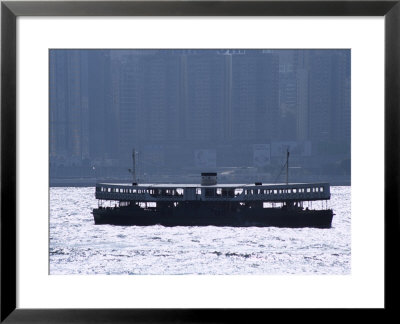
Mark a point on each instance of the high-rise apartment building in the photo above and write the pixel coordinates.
(102, 108)
(255, 96)
(69, 106)
(329, 91)
(149, 100)
(205, 98)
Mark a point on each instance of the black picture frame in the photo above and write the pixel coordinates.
(10, 10)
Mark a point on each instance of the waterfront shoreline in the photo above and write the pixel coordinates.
(92, 182)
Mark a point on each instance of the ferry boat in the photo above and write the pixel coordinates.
(211, 204)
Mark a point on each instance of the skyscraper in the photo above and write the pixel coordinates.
(329, 91)
(255, 96)
(102, 108)
(69, 110)
(149, 100)
(205, 99)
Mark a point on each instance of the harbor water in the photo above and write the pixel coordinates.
(77, 246)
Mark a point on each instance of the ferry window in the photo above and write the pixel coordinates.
(321, 189)
(275, 191)
(198, 191)
(316, 189)
(280, 191)
(219, 191)
(209, 193)
(238, 191)
(294, 191)
(289, 191)
(245, 192)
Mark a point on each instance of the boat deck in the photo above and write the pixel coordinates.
(219, 192)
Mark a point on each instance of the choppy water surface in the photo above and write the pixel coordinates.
(77, 246)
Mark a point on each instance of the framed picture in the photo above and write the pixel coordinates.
(162, 56)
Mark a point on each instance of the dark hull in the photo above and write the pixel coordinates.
(201, 216)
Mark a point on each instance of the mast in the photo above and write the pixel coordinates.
(133, 170)
(287, 166)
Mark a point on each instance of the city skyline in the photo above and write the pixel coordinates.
(172, 104)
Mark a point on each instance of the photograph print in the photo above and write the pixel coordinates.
(200, 161)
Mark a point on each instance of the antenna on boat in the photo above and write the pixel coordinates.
(133, 170)
(287, 166)
(283, 167)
